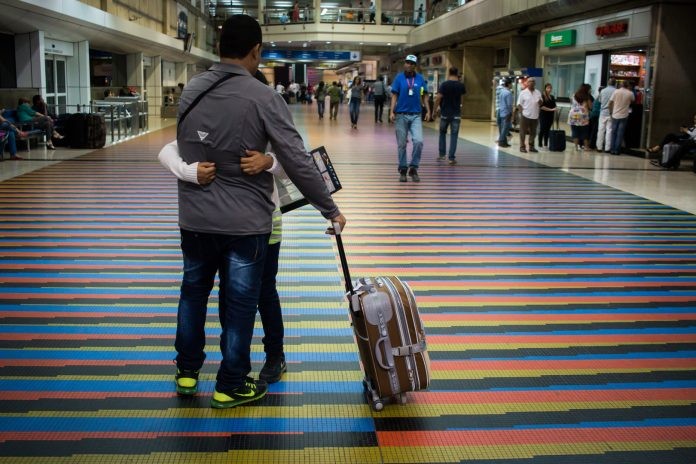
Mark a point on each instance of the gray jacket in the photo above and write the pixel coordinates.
(240, 114)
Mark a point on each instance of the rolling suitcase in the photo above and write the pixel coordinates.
(389, 334)
(557, 138)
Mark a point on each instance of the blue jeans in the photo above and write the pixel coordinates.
(240, 260)
(11, 140)
(320, 107)
(504, 126)
(453, 123)
(269, 304)
(405, 124)
(354, 110)
(618, 127)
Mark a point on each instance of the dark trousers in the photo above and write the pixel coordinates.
(545, 123)
(379, 107)
(527, 127)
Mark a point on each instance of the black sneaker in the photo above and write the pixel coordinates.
(252, 390)
(413, 172)
(273, 369)
(402, 177)
(186, 382)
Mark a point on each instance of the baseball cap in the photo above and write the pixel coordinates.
(412, 58)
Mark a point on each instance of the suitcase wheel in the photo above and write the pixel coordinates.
(371, 397)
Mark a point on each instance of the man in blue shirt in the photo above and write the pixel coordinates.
(409, 90)
(449, 103)
(504, 113)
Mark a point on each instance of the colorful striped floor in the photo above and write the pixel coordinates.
(561, 317)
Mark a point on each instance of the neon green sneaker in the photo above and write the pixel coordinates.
(252, 390)
(186, 382)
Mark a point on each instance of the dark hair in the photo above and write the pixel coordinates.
(107, 92)
(239, 35)
(35, 99)
(583, 93)
(453, 71)
(23, 100)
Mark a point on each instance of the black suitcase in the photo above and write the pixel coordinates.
(557, 138)
(86, 130)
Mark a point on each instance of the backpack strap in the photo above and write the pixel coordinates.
(203, 94)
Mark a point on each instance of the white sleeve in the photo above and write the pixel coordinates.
(277, 168)
(169, 158)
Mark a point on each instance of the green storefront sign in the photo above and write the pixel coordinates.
(560, 38)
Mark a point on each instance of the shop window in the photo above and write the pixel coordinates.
(565, 73)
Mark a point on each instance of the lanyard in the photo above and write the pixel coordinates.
(410, 84)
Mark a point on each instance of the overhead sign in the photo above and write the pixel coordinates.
(611, 29)
(565, 38)
(314, 55)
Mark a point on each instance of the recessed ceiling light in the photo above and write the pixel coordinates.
(389, 43)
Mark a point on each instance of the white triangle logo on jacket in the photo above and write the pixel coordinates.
(202, 135)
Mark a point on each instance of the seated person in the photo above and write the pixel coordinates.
(686, 135)
(12, 131)
(25, 114)
(108, 93)
(38, 104)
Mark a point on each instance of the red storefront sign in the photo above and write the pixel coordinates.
(608, 29)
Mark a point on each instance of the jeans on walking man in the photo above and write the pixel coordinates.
(408, 96)
(448, 103)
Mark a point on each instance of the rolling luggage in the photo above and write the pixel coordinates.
(670, 159)
(86, 130)
(389, 334)
(557, 138)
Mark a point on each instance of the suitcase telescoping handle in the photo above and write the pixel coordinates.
(342, 256)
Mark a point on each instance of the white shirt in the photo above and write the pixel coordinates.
(622, 99)
(529, 101)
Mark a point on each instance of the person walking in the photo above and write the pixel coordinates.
(320, 96)
(604, 126)
(355, 98)
(379, 92)
(546, 115)
(619, 108)
(226, 225)
(448, 103)
(529, 104)
(504, 113)
(334, 100)
(408, 94)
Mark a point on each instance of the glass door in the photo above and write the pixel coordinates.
(56, 88)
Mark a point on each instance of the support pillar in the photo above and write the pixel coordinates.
(477, 69)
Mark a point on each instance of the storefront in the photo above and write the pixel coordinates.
(619, 46)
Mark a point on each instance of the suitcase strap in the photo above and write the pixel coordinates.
(409, 350)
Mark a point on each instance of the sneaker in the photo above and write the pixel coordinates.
(441, 158)
(186, 382)
(452, 162)
(251, 390)
(533, 150)
(413, 172)
(402, 177)
(523, 150)
(273, 369)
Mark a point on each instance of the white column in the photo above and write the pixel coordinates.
(154, 86)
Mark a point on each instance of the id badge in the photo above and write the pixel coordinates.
(410, 92)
